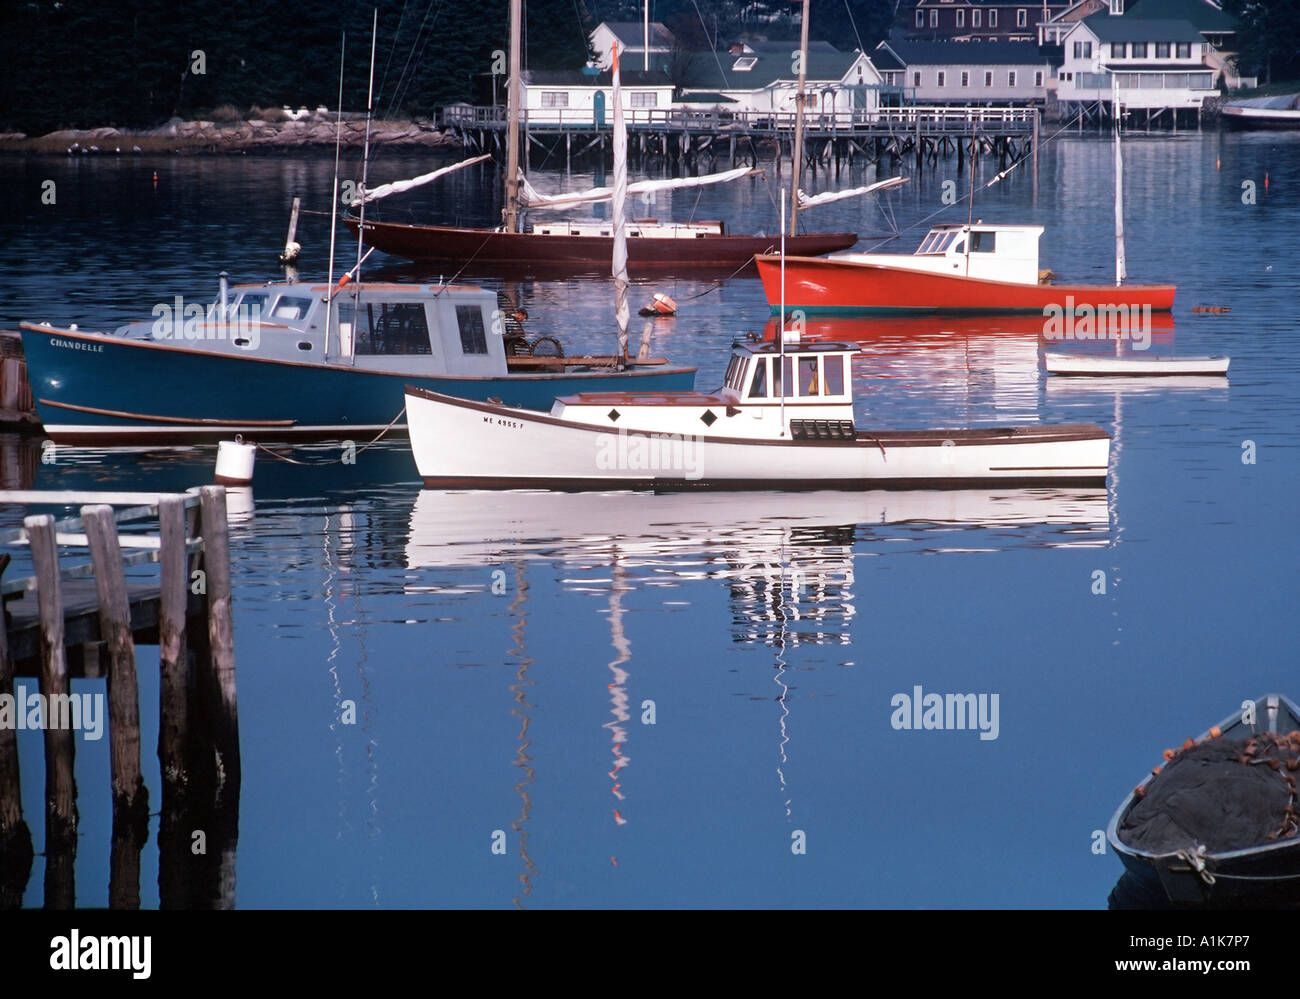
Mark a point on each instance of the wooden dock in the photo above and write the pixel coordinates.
(697, 139)
(73, 619)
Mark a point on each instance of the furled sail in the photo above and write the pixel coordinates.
(619, 214)
(857, 192)
(535, 201)
(398, 186)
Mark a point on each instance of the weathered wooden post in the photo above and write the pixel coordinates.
(173, 653)
(60, 787)
(15, 838)
(221, 639)
(130, 796)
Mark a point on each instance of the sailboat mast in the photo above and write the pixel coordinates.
(1121, 271)
(619, 214)
(797, 154)
(512, 120)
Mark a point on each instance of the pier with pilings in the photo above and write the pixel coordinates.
(714, 139)
(77, 620)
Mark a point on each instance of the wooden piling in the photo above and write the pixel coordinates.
(15, 837)
(60, 787)
(221, 638)
(173, 657)
(130, 796)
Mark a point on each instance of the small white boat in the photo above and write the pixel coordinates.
(1130, 365)
(750, 434)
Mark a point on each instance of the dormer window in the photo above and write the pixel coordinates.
(1117, 7)
(744, 64)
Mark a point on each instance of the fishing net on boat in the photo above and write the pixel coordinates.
(1223, 794)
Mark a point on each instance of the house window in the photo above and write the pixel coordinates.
(993, 19)
(1118, 50)
(965, 78)
(1162, 50)
(1022, 17)
(1011, 78)
(934, 19)
(988, 78)
(920, 19)
(941, 78)
(975, 18)
(961, 19)
(555, 99)
(645, 100)
(745, 63)
(916, 79)
(1038, 78)
(1139, 50)
(1184, 50)
(1083, 50)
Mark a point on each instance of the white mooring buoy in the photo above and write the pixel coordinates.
(235, 462)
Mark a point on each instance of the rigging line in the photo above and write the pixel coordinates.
(719, 284)
(853, 21)
(332, 461)
(726, 84)
(405, 80)
(383, 80)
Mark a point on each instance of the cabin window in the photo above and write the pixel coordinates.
(785, 383)
(735, 372)
(387, 327)
(808, 382)
(758, 387)
(555, 99)
(834, 374)
(1184, 50)
(1139, 50)
(254, 303)
(473, 337)
(290, 308)
(983, 242)
(1162, 50)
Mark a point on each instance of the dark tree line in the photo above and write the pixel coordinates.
(1268, 41)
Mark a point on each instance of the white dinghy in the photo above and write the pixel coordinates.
(782, 420)
(1133, 366)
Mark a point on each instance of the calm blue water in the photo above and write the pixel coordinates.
(764, 636)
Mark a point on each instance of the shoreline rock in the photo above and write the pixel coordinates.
(256, 134)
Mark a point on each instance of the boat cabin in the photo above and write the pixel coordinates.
(988, 252)
(636, 229)
(804, 391)
(414, 329)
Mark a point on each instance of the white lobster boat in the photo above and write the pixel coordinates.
(749, 435)
(1134, 366)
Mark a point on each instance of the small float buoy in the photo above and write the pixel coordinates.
(235, 462)
(660, 305)
(1266, 181)
(155, 178)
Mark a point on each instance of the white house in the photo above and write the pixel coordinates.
(630, 36)
(572, 97)
(763, 81)
(963, 73)
(1154, 63)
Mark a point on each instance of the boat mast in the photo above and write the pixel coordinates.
(334, 196)
(365, 170)
(1121, 271)
(797, 154)
(645, 39)
(511, 219)
(619, 214)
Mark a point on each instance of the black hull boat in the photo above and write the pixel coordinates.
(1179, 833)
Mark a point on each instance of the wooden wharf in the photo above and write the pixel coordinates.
(697, 138)
(83, 620)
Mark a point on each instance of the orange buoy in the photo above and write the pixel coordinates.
(1168, 754)
(1189, 743)
(1156, 770)
(1215, 732)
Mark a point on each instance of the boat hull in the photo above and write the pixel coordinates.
(521, 250)
(465, 444)
(1263, 874)
(835, 287)
(1085, 365)
(100, 389)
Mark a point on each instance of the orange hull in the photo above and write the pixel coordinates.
(833, 287)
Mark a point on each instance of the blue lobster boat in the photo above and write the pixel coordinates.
(290, 362)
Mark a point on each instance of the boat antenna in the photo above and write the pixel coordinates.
(780, 332)
(334, 194)
(365, 164)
